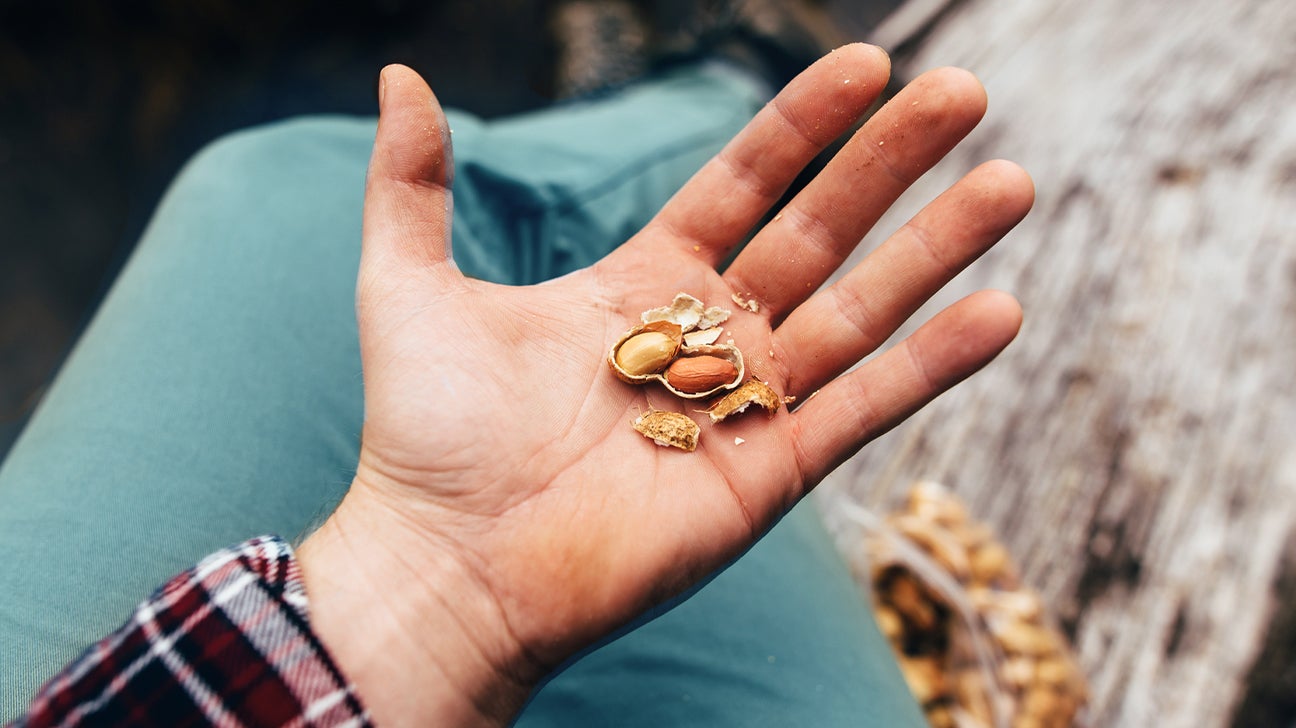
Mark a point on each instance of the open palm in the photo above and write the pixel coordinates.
(496, 433)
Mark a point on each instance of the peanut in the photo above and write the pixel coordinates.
(696, 374)
(1036, 683)
(990, 563)
(646, 353)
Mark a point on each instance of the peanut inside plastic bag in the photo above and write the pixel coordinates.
(976, 646)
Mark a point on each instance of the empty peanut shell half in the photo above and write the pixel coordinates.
(669, 429)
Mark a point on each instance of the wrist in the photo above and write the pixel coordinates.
(409, 622)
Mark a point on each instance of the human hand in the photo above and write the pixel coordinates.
(504, 515)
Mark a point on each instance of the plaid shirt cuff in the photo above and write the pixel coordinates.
(227, 642)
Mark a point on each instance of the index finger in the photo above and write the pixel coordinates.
(727, 198)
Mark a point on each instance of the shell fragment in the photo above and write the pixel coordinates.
(669, 429)
(736, 402)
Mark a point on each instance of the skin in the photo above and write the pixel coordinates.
(504, 515)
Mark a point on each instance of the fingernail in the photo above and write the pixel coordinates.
(382, 87)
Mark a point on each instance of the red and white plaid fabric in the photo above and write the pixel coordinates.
(226, 643)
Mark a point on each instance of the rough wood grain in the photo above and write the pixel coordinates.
(1134, 447)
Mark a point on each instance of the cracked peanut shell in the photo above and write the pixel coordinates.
(669, 429)
(736, 402)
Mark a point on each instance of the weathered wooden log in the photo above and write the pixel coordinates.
(1136, 447)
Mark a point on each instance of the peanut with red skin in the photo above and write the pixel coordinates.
(695, 374)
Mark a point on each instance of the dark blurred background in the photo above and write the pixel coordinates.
(100, 104)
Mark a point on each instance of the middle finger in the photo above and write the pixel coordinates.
(797, 251)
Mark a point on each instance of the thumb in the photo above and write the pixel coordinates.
(407, 207)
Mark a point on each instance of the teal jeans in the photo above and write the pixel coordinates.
(216, 395)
